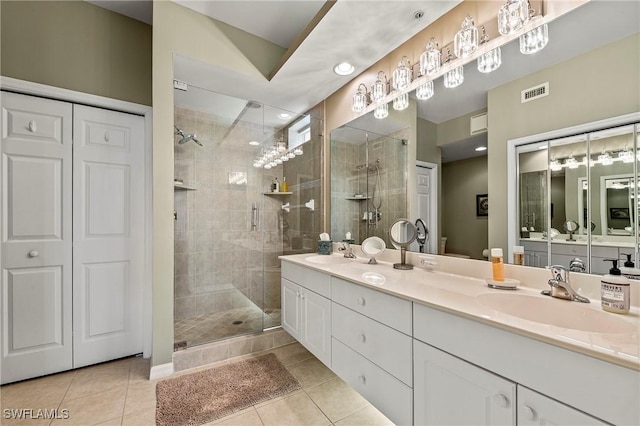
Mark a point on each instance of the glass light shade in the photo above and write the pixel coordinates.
(401, 102)
(454, 78)
(291, 155)
(430, 59)
(282, 147)
(425, 91)
(512, 16)
(626, 156)
(267, 166)
(359, 101)
(490, 61)
(379, 88)
(298, 151)
(534, 40)
(284, 158)
(466, 40)
(402, 74)
(571, 163)
(381, 111)
(605, 159)
(277, 161)
(257, 164)
(555, 166)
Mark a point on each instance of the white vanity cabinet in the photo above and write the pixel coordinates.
(450, 391)
(535, 253)
(372, 347)
(535, 409)
(306, 309)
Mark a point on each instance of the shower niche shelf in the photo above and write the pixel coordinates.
(277, 193)
(357, 198)
(178, 184)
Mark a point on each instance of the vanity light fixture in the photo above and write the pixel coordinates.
(402, 75)
(534, 40)
(379, 88)
(626, 156)
(360, 99)
(430, 59)
(571, 163)
(298, 150)
(381, 111)
(401, 102)
(454, 77)
(344, 68)
(605, 159)
(512, 16)
(425, 91)
(465, 41)
(491, 60)
(555, 165)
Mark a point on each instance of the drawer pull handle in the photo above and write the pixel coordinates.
(362, 379)
(363, 338)
(528, 413)
(501, 400)
(34, 253)
(106, 136)
(33, 127)
(361, 301)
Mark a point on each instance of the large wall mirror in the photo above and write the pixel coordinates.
(577, 197)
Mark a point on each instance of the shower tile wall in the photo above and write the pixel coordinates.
(218, 259)
(345, 183)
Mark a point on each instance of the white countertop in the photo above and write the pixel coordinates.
(581, 241)
(458, 294)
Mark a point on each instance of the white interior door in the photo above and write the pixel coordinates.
(108, 235)
(36, 245)
(426, 200)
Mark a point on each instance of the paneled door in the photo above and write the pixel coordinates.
(36, 255)
(108, 234)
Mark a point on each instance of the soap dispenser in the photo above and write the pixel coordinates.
(614, 290)
(629, 270)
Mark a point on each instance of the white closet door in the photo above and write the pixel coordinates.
(108, 234)
(36, 237)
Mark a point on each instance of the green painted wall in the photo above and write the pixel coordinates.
(78, 46)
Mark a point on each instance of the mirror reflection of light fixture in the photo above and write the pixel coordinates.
(402, 74)
(465, 41)
(571, 163)
(360, 100)
(605, 159)
(454, 77)
(401, 102)
(534, 40)
(379, 88)
(512, 16)
(491, 60)
(430, 58)
(298, 150)
(425, 91)
(555, 165)
(381, 111)
(626, 156)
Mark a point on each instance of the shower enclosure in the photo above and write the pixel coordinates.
(368, 182)
(229, 227)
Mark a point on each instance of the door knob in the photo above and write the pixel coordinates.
(528, 413)
(33, 253)
(32, 126)
(361, 301)
(501, 400)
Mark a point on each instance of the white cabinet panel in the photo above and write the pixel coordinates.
(535, 409)
(106, 291)
(385, 392)
(313, 280)
(290, 308)
(108, 200)
(449, 391)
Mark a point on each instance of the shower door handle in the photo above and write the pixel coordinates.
(254, 216)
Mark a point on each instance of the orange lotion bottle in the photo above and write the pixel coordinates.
(497, 264)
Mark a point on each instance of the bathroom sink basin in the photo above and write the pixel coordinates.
(556, 312)
(327, 260)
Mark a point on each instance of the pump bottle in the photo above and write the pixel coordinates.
(614, 290)
(629, 270)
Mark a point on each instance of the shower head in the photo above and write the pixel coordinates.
(186, 138)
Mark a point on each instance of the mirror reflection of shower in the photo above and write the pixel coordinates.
(185, 137)
(373, 214)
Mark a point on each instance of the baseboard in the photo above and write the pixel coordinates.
(161, 371)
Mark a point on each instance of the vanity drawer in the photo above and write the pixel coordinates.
(383, 345)
(390, 310)
(388, 394)
(307, 278)
(569, 249)
(609, 252)
(534, 245)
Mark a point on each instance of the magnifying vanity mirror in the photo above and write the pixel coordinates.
(372, 247)
(402, 233)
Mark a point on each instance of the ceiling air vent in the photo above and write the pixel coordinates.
(535, 92)
(478, 123)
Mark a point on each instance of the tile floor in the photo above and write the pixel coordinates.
(119, 393)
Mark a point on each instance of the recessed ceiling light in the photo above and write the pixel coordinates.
(254, 143)
(344, 68)
(481, 148)
(284, 115)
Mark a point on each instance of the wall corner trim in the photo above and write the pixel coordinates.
(161, 371)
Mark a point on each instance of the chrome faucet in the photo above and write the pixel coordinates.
(347, 249)
(577, 265)
(560, 286)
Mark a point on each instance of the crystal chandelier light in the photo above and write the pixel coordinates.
(465, 41)
(381, 111)
(454, 77)
(534, 40)
(402, 74)
(379, 88)
(425, 91)
(491, 60)
(430, 59)
(512, 16)
(401, 102)
(359, 102)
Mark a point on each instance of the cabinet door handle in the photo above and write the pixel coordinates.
(501, 400)
(106, 136)
(363, 338)
(33, 127)
(361, 301)
(34, 253)
(362, 379)
(528, 412)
